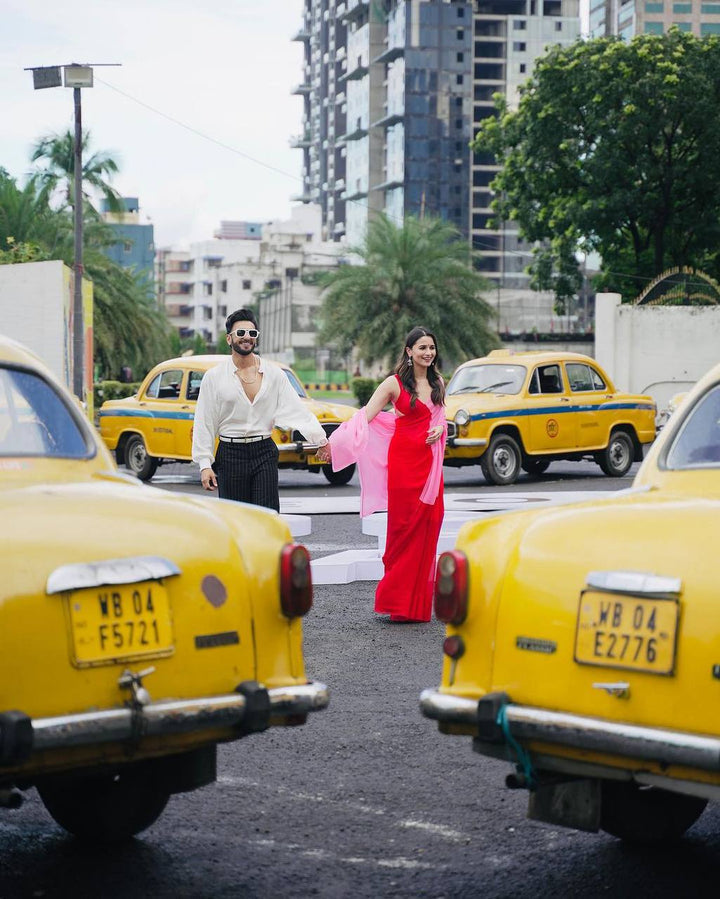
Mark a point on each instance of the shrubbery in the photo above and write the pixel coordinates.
(113, 390)
(363, 389)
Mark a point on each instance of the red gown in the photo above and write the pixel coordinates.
(413, 527)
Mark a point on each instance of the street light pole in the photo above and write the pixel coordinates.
(76, 76)
(78, 317)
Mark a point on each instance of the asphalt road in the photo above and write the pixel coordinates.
(366, 800)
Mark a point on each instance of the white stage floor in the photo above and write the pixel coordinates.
(366, 564)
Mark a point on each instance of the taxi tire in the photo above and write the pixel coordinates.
(137, 460)
(646, 814)
(338, 478)
(106, 808)
(617, 457)
(501, 461)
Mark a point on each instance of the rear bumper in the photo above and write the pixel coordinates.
(524, 723)
(243, 711)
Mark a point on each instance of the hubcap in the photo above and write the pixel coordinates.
(619, 454)
(504, 461)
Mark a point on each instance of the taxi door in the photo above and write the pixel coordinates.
(161, 407)
(589, 393)
(552, 419)
(186, 413)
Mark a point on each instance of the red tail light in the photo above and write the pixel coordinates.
(451, 587)
(295, 581)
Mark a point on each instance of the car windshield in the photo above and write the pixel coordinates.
(35, 420)
(488, 378)
(697, 444)
(296, 385)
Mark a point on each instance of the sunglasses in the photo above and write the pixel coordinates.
(241, 332)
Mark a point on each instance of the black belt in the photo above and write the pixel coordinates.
(243, 439)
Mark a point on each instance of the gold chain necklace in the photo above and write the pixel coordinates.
(244, 380)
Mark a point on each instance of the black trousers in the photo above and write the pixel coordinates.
(248, 472)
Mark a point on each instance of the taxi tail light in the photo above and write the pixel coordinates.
(454, 647)
(451, 587)
(295, 581)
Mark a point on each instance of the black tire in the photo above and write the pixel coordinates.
(338, 478)
(107, 808)
(137, 459)
(535, 467)
(617, 457)
(500, 462)
(646, 814)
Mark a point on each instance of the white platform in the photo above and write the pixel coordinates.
(366, 564)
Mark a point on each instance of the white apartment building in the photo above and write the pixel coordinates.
(273, 270)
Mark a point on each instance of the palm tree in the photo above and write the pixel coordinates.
(417, 274)
(26, 218)
(57, 152)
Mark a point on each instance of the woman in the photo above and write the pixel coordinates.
(399, 458)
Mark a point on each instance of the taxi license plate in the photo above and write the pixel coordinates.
(117, 622)
(632, 632)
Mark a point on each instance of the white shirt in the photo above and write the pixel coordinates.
(223, 408)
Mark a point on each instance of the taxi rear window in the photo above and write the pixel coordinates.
(697, 444)
(35, 420)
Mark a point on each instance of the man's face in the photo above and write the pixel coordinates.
(243, 346)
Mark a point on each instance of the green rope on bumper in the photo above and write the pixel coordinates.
(524, 765)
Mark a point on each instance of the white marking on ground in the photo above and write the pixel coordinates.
(438, 830)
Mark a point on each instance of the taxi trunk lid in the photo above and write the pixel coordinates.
(87, 567)
(576, 633)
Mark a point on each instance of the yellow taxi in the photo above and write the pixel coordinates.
(155, 426)
(512, 411)
(583, 642)
(138, 629)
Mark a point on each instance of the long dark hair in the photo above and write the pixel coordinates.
(406, 371)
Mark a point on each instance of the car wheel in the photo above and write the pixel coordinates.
(500, 462)
(535, 467)
(338, 478)
(106, 808)
(617, 457)
(137, 459)
(646, 814)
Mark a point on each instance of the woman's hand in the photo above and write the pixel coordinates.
(434, 434)
(324, 454)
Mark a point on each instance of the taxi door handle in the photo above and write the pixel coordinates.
(185, 407)
(564, 399)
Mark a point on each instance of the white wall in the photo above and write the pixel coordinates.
(35, 306)
(659, 350)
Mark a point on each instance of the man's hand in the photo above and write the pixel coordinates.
(324, 453)
(208, 479)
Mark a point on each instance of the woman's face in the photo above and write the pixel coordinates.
(423, 352)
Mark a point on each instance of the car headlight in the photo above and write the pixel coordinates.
(462, 417)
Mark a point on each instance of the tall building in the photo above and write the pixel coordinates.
(394, 91)
(135, 246)
(630, 17)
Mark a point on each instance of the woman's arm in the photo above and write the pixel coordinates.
(386, 392)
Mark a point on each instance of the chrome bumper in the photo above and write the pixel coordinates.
(172, 717)
(467, 441)
(666, 747)
(298, 447)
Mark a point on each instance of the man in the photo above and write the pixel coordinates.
(240, 402)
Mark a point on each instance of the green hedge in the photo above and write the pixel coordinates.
(363, 389)
(113, 390)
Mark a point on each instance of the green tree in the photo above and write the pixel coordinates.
(27, 219)
(417, 274)
(56, 153)
(614, 148)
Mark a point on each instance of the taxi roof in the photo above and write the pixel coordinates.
(207, 361)
(528, 357)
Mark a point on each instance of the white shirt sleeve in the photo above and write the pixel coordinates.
(292, 413)
(205, 426)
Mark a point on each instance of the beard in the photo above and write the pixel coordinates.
(241, 349)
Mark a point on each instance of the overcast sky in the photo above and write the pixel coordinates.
(225, 70)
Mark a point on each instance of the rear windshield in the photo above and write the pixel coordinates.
(35, 420)
(488, 378)
(697, 444)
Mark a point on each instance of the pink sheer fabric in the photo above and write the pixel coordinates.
(366, 444)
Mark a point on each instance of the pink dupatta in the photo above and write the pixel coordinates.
(366, 444)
